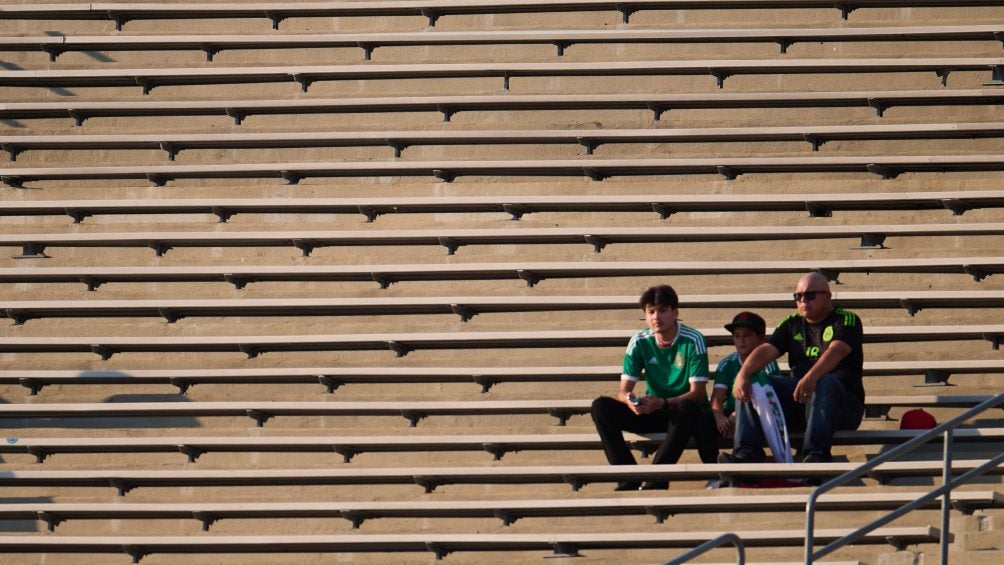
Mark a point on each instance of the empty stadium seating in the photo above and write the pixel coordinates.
(262, 273)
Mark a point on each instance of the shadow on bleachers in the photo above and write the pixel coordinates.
(22, 525)
(98, 56)
(71, 422)
(57, 90)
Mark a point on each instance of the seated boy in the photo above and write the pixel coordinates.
(674, 360)
(748, 331)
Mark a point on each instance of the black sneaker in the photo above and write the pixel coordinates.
(655, 485)
(628, 486)
(816, 457)
(740, 457)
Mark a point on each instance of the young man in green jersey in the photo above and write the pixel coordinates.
(673, 358)
(825, 392)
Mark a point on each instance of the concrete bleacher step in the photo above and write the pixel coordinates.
(532, 272)
(658, 103)
(305, 76)
(498, 446)
(440, 544)
(413, 411)
(466, 307)
(816, 205)
(507, 511)
(883, 166)
(398, 141)
(125, 481)
(562, 39)
(433, 10)
(935, 372)
(401, 344)
(35, 245)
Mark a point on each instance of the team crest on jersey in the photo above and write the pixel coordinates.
(679, 361)
(828, 333)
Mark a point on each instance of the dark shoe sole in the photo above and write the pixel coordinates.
(655, 485)
(627, 486)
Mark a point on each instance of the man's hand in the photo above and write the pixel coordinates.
(804, 390)
(764, 353)
(646, 405)
(723, 424)
(742, 389)
(828, 361)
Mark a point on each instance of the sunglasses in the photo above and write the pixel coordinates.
(807, 296)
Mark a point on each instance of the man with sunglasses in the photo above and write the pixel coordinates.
(824, 393)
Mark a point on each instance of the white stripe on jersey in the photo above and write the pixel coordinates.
(694, 336)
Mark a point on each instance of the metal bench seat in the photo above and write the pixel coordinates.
(870, 236)
(304, 76)
(432, 10)
(398, 141)
(414, 411)
(817, 205)
(430, 478)
(885, 166)
(441, 545)
(561, 39)
(935, 372)
(508, 511)
(466, 307)
(348, 447)
(448, 106)
(531, 273)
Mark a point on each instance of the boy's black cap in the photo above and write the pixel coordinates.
(748, 320)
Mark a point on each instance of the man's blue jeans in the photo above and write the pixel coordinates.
(833, 407)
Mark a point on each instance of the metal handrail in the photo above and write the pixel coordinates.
(711, 544)
(944, 491)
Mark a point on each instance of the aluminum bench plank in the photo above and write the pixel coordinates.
(517, 206)
(430, 478)
(334, 377)
(212, 44)
(446, 171)
(869, 235)
(348, 447)
(508, 511)
(402, 344)
(414, 412)
(148, 79)
(530, 272)
(658, 104)
(466, 307)
(432, 10)
(562, 544)
(814, 136)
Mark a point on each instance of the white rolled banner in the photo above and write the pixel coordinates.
(768, 408)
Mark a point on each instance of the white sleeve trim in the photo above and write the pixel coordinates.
(699, 379)
(626, 377)
(720, 385)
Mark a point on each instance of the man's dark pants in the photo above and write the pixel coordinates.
(833, 407)
(687, 420)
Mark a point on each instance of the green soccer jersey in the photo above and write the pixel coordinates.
(725, 377)
(668, 370)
